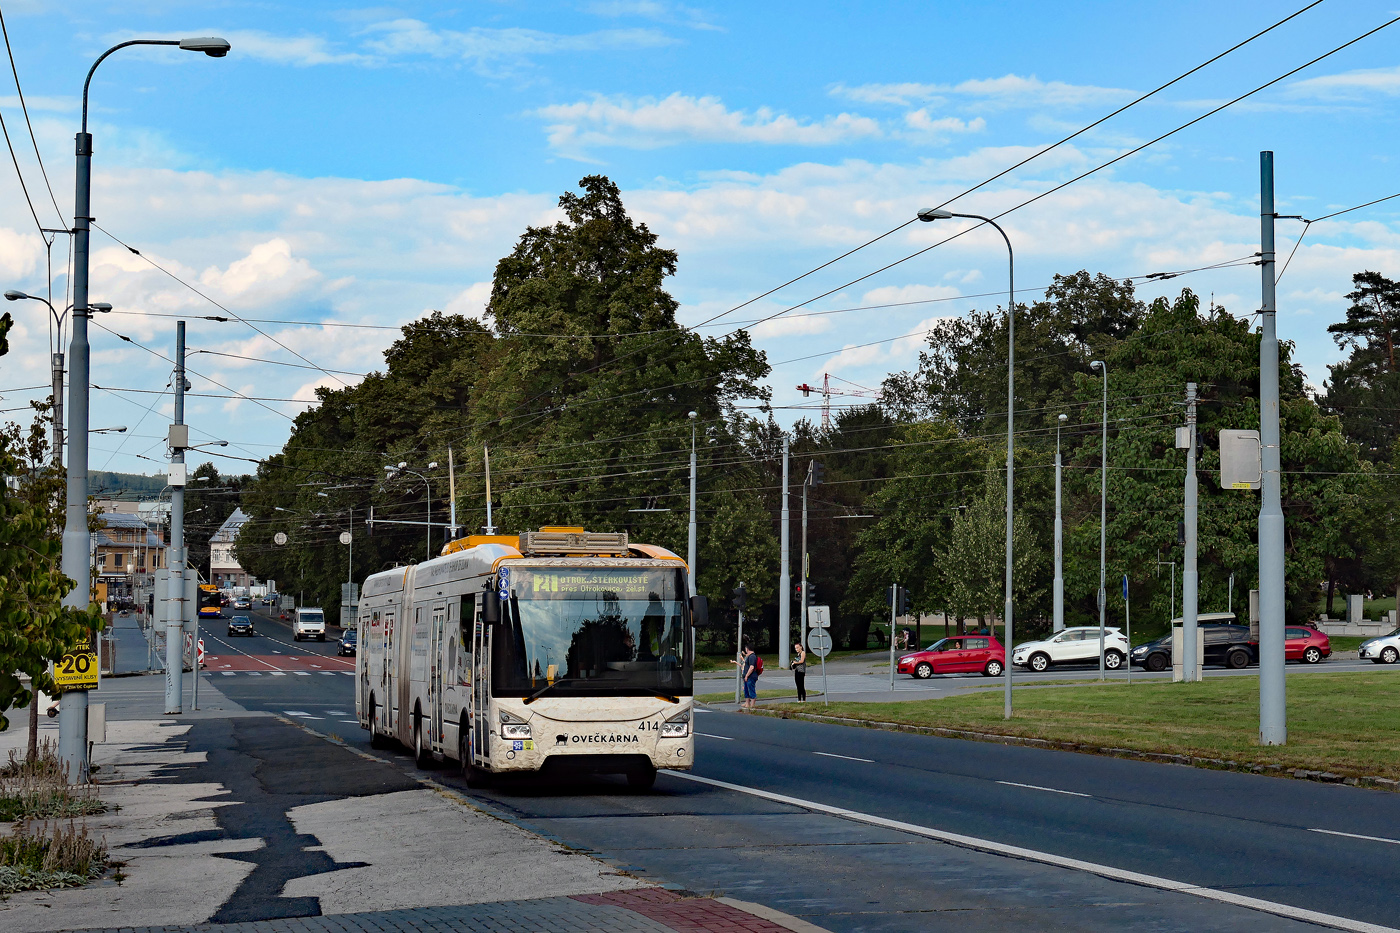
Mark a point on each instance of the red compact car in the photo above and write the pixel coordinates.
(957, 654)
(1303, 643)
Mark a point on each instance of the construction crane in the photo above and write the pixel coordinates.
(827, 392)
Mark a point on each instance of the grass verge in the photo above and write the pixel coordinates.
(1345, 724)
(728, 695)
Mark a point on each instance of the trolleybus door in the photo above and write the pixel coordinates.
(481, 687)
(389, 702)
(436, 738)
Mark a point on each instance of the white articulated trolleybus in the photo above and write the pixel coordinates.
(559, 649)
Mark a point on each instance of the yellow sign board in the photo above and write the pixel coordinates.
(76, 670)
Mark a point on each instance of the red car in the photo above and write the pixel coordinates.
(1302, 643)
(956, 655)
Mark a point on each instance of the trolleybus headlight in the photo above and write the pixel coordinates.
(677, 727)
(513, 727)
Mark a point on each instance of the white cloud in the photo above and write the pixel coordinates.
(1007, 91)
(302, 51)
(1349, 85)
(497, 50)
(648, 123)
(920, 122)
(657, 10)
(470, 301)
(791, 326)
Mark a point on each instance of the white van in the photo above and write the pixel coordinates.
(309, 623)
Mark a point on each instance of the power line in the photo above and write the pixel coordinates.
(136, 252)
(25, 109)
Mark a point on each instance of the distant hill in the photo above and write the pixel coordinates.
(108, 485)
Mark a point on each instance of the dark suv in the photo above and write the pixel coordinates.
(1226, 645)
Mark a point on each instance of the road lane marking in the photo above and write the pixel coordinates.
(1053, 790)
(225, 673)
(302, 673)
(723, 737)
(1048, 858)
(1334, 832)
(279, 673)
(869, 761)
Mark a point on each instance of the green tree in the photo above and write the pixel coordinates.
(1364, 389)
(35, 628)
(973, 563)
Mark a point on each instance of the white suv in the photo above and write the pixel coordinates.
(1074, 645)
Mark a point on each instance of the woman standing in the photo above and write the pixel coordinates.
(799, 671)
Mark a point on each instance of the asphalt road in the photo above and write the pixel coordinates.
(1292, 843)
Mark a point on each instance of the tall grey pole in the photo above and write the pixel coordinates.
(739, 656)
(72, 716)
(1103, 516)
(57, 360)
(1189, 577)
(784, 574)
(1128, 628)
(429, 487)
(175, 590)
(72, 710)
(1273, 717)
(939, 214)
(1059, 585)
(894, 606)
(802, 571)
(690, 548)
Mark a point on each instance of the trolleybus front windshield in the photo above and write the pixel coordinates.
(600, 631)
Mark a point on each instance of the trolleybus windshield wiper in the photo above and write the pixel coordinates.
(548, 687)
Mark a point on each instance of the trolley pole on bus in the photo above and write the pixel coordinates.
(175, 589)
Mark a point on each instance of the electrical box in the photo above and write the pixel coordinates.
(177, 474)
(1241, 460)
(179, 436)
(1183, 438)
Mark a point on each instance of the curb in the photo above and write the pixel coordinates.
(1217, 764)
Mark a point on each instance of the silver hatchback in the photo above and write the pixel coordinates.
(1383, 650)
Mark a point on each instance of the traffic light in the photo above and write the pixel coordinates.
(741, 597)
(902, 603)
(816, 473)
(797, 592)
(811, 592)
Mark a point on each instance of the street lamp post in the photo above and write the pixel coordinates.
(931, 214)
(72, 722)
(402, 467)
(1059, 584)
(1103, 514)
(690, 546)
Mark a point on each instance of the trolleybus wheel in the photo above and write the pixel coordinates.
(422, 756)
(474, 776)
(641, 777)
(375, 739)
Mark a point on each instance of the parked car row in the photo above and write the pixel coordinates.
(1382, 650)
(1224, 643)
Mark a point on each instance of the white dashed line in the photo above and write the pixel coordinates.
(1334, 832)
(869, 761)
(1047, 858)
(1053, 790)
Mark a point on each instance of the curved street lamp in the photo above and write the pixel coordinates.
(932, 214)
(72, 721)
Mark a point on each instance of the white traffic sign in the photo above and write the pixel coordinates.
(819, 616)
(819, 642)
(280, 537)
(345, 537)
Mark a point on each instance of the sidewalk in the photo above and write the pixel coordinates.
(240, 821)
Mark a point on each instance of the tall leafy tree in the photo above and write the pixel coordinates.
(1364, 389)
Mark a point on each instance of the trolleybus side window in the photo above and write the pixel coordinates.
(466, 616)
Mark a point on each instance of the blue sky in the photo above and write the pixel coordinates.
(370, 164)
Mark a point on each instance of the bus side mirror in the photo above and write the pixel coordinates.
(699, 611)
(490, 608)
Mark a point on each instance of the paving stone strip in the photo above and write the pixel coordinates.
(649, 910)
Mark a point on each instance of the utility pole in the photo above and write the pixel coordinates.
(690, 548)
(784, 575)
(1059, 585)
(1273, 716)
(175, 589)
(1189, 577)
(1103, 515)
(894, 608)
(451, 498)
(802, 573)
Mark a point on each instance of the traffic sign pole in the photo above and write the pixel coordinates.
(894, 607)
(1128, 624)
